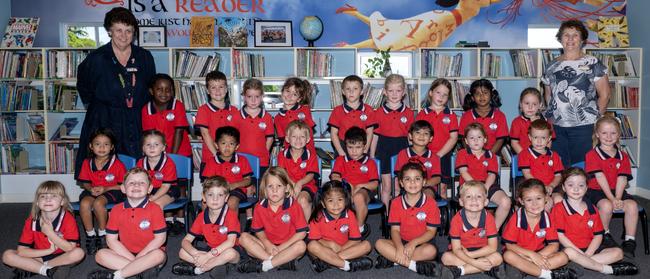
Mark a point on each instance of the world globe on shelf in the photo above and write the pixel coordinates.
(311, 28)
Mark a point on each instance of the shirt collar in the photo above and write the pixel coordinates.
(245, 114)
(411, 153)
(220, 219)
(233, 159)
(428, 110)
(536, 154)
(467, 226)
(304, 156)
(157, 167)
(570, 210)
(489, 115)
(143, 204)
(486, 153)
(106, 167)
(56, 223)
(362, 160)
(421, 201)
(284, 111)
(329, 217)
(522, 222)
(285, 204)
(401, 107)
(348, 109)
(151, 107)
(214, 108)
(604, 156)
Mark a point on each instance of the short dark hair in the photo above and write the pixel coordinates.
(411, 165)
(355, 135)
(252, 84)
(227, 131)
(215, 75)
(575, 24)
(120, 15)
(162, 76)
(420, 125)
(540, 125)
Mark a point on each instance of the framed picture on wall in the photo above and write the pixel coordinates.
(152, 36)
(273, 33)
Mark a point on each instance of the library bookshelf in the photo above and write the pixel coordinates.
(42, 115)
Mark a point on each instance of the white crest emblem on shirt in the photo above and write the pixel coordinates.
(144, 224)
(446, 120)
(550, 163)
(158, 175)
(303, 165)
(363, 117)
(170, 116)
(485, 163)
(301, 116)
(223, 230)
(403, 119)
(421, 216)
(481, 233)
(344, 228)
(427, 164)
(618, 165)
(235, 169)
(363, 168)
(590, 223)
(286, 218)
(493, 126)
(262, 125)
(229, 117)
(109, 177)
(541, 233)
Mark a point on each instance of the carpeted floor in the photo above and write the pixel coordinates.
(15, 214)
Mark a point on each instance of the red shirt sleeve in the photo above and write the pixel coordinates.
(558, 167)
(314, 229)
(490, 226)
(309, 120)
(523, 161)
(69, 228)
(502, 129)
(246, 169)
(113, 224)
(270, 131)
(372, 119)
(373, 173)
(158, 224)
(338, 166)
(461, 159)
(84, 174)
(312, 165)
(551, 234)
(232, 222)
(169, 172)
(465, 120)
(335, 117)
(515, 131)
(626, 167)
(257, 224)
(509, 234)
(197, 227)
(592, 162)
(435, 167)
(456, 226)
(433, 215)
(180, 116)
(557, 218)
(120, 171)
(353, 232)
(393, 215)
(598, 224)
(493, 165)
(298, 217)
(453, 124)
(27, 235)
(202, 117)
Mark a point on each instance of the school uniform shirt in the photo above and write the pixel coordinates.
(494, 123)
(64, 225)
(212, 118)
(305, 164)
(473, 237)
(281, 225)
(344, 117)
(227, 223)
(580, 228)
(255, 130)
(518, 231)
(163, 172)
(519, 130)
(478, 167)
(355, 172)
(413, 220)
(340, 230)
(444, 123)
(597, 161)
(428, 159)
(234, 170)
(167, 121)
(543, 166)
(111, 174)
(136, 225)
(393, 123)
(297, 112)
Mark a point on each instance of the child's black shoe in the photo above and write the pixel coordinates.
(219, 272)
(362, 263)
(183, 268)
(318, 265)
(383, 262)
(91, 247)
(629, 246)
(291, 266)
(21, 274)
(366, 232)
(250, 266)
(498, 272)
(427, 268)
(101, 274)
(563, 273)
(625, 268)
(59, 272)
(449, 272)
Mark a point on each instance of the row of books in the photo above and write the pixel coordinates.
(435, 64)
(372, 96)
(62, 157)
(191, 65)
(491, 65)
(627, 132)
(247, 64)
(63, 63)
(20, 96)
(67, 130)
(14, 159)
(548, 56)
(20, 64)
(623, 96)
(618, 64)
(19, 128)
(313, 63)
(192, 94)
(64, 97)
(523, 63)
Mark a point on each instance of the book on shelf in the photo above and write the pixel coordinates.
(62, 157)
(66, 130)
(14, 158)
(8, 132)
(191, 94)
(547, 56)
(248, 64)
(523, 63)
(22, 128)
(64, 97)
(20, 96)
(491, 65)
(191, 65)
(313, 63)
(20, 64)
(63, 63)
(273, 96)
(613, 31)
(20, 32)
(629, 152)
(36, 124)
(618, 64)
(622, 96)
(627, 132)
(435, 64)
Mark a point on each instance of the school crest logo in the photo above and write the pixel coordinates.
(235, 169)
(344, 228)
(262, 125)
(403, 119)
(421, 216)
(223, 230)
(541, 233)
(109, 177)
(144, 224)
(170, 116)
(493, 126)
(286, 218)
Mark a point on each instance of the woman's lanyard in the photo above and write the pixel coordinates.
(131, 70)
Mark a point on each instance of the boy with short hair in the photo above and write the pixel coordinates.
(473, 234)
(352, 113)
(539, 161)
(420, 135)
(360, 171)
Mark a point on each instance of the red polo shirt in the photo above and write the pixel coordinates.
(428, 159)
(166, 122)
(580, 228)
(414, 220)
(281, 225)
(473, 237)
(212, 118)
(255, 130)
(340, 230)
(478, 167)
(393, 123)
(444, 123)
(227, 223)
(136, 225)
(307, 163)
(518, 232)
(233, 171)
(494, 123)
(344, 117)
(163, 172)
(110, 175)
(64, 225)
(297, 112)
(543, 166)
(356, 172)
(597, 160)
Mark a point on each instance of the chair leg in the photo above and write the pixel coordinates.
(644, 228)
(384, 227)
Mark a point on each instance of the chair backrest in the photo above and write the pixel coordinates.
(393, 163)
(514, 167)
(128, 161)
(254, 162)
(183, 166)
(579, 165)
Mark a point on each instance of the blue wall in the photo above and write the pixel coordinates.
(5, 13)
(639, 23)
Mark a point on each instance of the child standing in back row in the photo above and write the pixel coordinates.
(296, 97)
(353, 112)
(530, 109)
(482, 106)
(256, 123)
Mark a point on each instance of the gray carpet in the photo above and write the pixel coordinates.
(15, 214)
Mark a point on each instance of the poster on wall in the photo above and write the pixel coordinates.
(20, 32)
(232, 31)
(202, 31)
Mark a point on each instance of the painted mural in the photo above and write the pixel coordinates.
(404, 24)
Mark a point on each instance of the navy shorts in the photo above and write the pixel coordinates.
(112, 196)
(388, 147)
(602, 247)
(596, 195)
(493, 189)
(203, 246)
(238, 193)
(173, 192)
(445, 168)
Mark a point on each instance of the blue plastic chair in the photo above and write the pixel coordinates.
(515, 175)
(183, 171)
(129, 163)
(491, 205)
(254, 162)
(643, 217)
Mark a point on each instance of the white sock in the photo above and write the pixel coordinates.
(267, 265)
(462, 270)
(362, 228)
(90, 233)
(629, 237)
(607, 269)
(43, 270)
(169, 219)
(180, 220)
(607, 231)
(117, 275)
(346, 266)
(198, 271)
(546, 274)
(412, 266)
(101, 232)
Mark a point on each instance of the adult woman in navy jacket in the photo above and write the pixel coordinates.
(113, 84)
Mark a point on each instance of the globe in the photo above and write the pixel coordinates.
(311, 28)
